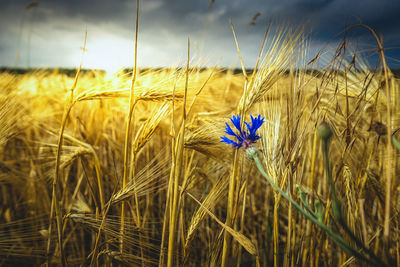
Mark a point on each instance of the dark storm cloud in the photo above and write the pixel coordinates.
(97, 10)
(165, 24)
(333, 18)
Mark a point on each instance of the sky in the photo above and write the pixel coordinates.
(50, 33)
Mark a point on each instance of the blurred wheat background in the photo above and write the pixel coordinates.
(95, 171)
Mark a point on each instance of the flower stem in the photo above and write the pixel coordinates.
(335, 237)
(395, 143)
(336, 205)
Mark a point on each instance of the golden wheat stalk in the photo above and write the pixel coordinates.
(276, 62)
(147, 129)
(209, 203)
(145, 94)
(148, 180)
(178, 150)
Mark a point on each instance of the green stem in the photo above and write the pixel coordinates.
(304, 202)
(335, 237)
(395, 143)
(336, 205)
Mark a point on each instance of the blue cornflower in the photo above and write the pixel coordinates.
(244, 137)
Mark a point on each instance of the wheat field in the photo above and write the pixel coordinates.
(128, 169)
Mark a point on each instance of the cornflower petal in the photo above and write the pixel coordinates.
(248, 127)
(236, 122)
(245, 138)
(229, 141)
(256, 123)
(228, 130)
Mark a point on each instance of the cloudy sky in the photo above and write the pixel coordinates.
(49, 33)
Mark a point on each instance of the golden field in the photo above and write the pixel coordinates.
(97, 172)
